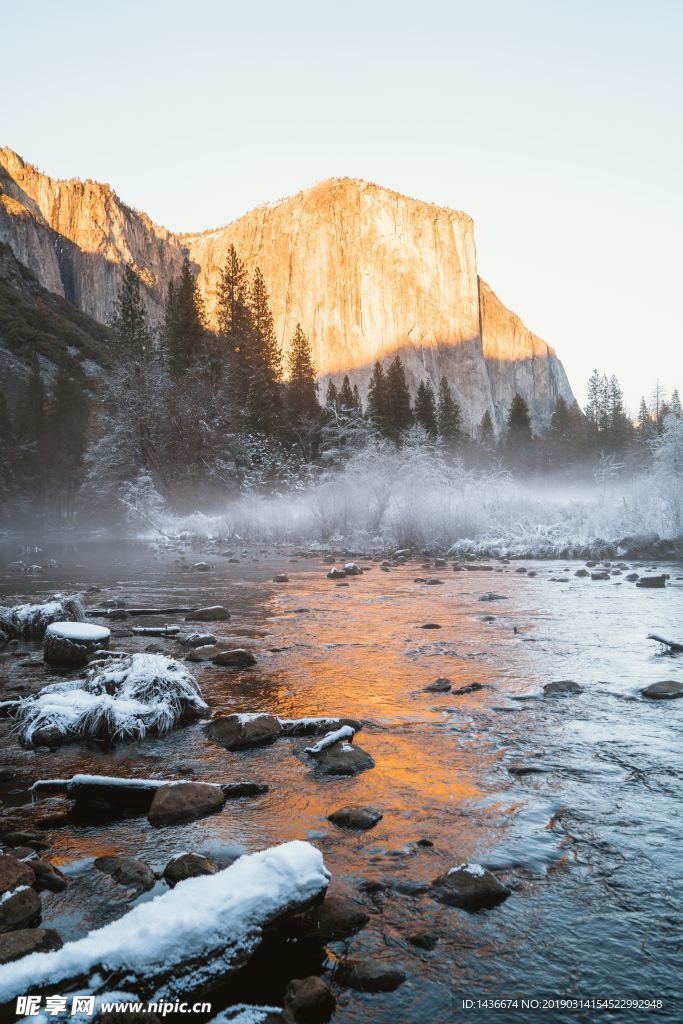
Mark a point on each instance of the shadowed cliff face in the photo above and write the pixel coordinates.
(366, 271)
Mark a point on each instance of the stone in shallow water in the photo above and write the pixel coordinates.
(652, 582)
(667, 689)
(336, 918)
(343, 758)
(13, 873)
(238, 658)
(20, 909)
(423, 940)
(469, 886)
(24, 941)
(214, 613)
(562, 686)
(582, 573)
(369, 975)
(430, 625)
(129, 872)
(48, 876)
(491, 596)
(470, 688)
(439, 686)
(361, 818)
(239, 732)
(281, 577)
(309, 1000)
(185, 801)
(188, 865)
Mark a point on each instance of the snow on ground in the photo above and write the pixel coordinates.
(187, 938)
(124, 699)
(29, 621)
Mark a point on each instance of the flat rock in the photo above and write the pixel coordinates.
(369, 975)
(469, 886)
(668, 689)
(438, 686)
(237, 658)
(214, 613)
(343, 758)
(360, 818)
(430, 625)
(24, 941)
(281, 577)
(20, 909)
(470, 688)
(185, 801)
(239, 732)
(309, 1000)
(130, 872)
(14, 872)
(600, 575)
(652, 582)
(491, 596)
(188, 865)
(562, 686)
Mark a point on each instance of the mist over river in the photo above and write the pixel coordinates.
(573, 800)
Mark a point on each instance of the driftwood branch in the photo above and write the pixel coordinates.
(673, 646)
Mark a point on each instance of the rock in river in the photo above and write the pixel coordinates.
(238, 732)
(13, 873)
(237, 658)
(423, 940)
(369, 975)
(188, 865)
(19, 909)
(16, 944)
(309, 1000)
(185, 801)
(215, 613)
(360, 818)
(469, 886)
(343, 758)
(668, 689)
(129, 872)
(562, 686)
(439, 686)
(336, 918)
(48, 876)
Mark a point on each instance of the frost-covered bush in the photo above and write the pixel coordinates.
(29, 621)
(124, 698)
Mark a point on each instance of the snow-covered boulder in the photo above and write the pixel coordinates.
(124, 698)
(29, 621)
(188, 939)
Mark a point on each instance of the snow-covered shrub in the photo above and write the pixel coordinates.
(29, 621)
(125, 698)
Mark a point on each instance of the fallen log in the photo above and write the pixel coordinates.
(156, 630)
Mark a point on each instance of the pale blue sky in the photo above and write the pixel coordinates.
(555, 123)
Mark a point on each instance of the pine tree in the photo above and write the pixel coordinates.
(331, 396)
(68, 425)
(425, 408)
(264, 359)
(376, 409)
(31, 432)
(675, 404)
(184, 327)
(518, 434)
(133, 341)
(399, 415)
(486, 432)
(302, 387)
(235, 327)
(346, 400)
(449, 415)
(357, 404)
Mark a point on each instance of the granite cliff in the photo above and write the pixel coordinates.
(367, 272)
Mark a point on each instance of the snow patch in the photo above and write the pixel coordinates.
(330, 738)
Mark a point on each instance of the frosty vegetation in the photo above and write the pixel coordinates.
(124, 698)
(30, 621)
(214, 433)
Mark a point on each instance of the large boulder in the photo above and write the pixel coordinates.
(185, 801)
(238, 732)
(469, 886)
(48, 877)
(561, 688)
(309, 1000)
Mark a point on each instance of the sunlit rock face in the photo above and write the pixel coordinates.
(366, 271)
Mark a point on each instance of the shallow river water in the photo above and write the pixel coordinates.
(590, 843)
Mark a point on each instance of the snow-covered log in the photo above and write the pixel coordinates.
(133, 796)
(345, 733)
(29, 621)
(125, 698)
(186, 940)
(72, 643)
